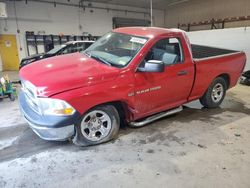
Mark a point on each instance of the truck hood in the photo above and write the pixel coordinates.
(66, 72)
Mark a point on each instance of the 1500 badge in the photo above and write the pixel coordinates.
(144, 91)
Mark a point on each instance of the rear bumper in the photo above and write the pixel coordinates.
(48, 127)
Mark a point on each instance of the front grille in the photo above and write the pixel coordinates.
(30, 95)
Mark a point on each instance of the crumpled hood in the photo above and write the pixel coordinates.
(66, 72)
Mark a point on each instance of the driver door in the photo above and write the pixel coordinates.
(155, 92)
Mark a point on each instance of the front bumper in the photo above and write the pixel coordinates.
(48, 127)
(57, 134)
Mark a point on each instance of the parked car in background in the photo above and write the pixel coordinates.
(245, 78)
(134, 75)
(67, 48)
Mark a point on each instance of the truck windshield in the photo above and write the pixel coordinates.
(116, 49)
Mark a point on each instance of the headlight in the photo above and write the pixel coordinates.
(58, 107)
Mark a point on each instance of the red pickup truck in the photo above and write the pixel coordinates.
(133, 75)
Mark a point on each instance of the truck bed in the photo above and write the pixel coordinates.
(200, 52)
(223, 62)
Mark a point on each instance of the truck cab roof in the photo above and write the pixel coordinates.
(149, 32)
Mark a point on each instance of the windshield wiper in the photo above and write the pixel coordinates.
(98, 58)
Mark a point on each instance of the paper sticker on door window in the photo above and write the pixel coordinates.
(8, 44)
(138, 40)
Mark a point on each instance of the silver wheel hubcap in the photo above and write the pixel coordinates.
(96, 125)
(217, 92)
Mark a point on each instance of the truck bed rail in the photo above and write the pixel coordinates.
(200, 52)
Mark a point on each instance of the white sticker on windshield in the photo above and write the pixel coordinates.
(138, 40)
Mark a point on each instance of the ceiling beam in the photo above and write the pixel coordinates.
(92, 7)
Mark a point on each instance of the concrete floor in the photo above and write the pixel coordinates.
(195, 148)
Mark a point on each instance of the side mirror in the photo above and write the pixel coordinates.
(152, 66)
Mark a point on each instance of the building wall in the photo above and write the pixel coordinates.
(202, 10)
(233, 38)
(36, 16)
(1, 63)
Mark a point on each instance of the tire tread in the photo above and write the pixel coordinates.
(206, 99)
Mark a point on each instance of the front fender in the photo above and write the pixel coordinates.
(85, 98)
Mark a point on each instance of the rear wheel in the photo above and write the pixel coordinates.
(215, 93)
(101, 124)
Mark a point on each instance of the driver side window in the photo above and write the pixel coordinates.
(167, 50)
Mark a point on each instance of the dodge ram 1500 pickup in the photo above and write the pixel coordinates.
(131, 75)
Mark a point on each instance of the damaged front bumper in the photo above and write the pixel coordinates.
(48, 127)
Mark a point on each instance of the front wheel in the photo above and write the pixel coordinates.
(215, 93)
(12, 97)
(98, 125)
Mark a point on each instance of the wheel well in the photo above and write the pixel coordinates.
(226, 78)
(122, 110)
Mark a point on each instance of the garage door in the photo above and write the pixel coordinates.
(126, 22)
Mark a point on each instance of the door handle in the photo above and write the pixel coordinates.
(182, 73)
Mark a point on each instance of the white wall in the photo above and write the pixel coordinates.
(234, 38)
(202, 10)
(64, 19)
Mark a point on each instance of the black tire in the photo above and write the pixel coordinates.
(208, 100)
(12, 97)
(83, 138)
